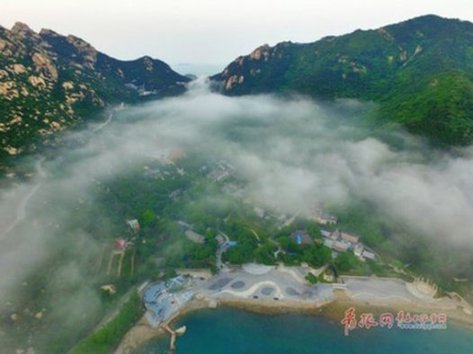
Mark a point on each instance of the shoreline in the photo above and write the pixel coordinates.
(142, 332)
(334, 310)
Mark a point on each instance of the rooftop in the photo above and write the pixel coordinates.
(301, 237)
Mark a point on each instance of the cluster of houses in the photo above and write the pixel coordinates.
(339, 242)
(222, 170)
(223, 241)
(121, 245)
(322, 218)
(167, 165)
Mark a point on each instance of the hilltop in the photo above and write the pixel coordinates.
(420, 72)
(49, 82)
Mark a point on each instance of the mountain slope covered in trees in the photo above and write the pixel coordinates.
(49, 82)
(419, 71)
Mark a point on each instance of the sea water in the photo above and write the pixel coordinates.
(231, 331)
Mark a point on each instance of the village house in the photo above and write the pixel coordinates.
(368, 255)
(341, 246)
(349, 238)
(120, 244)
(301, 237)
(194, 236)
(358, 250)
(190, 233)
(339, 242)
(323, 218)
(134, 225)
(222, 170)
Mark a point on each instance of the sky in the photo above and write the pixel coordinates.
(213, 32)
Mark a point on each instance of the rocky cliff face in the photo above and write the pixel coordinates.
(49, 82)
(419, 71)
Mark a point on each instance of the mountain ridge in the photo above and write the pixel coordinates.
(408, 68)
(49, 82)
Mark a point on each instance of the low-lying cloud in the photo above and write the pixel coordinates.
(295, 154)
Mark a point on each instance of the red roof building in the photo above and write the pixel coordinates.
(120, 244)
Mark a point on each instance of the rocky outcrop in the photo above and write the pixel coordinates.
(19, 69)
(49, 82)
(22, 30)
(262, 52)
(88, 52)
(406, 68)
(44, 65)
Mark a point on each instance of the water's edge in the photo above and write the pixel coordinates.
(228, 330)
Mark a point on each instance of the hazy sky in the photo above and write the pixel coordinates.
(213, 31)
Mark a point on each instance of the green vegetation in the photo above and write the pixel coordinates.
(346, 261)
(403, 252)
(106, 338)
(414, 88)
(54, 82)
(161, 246)
(315, 255)
(311, 278)
(244, 251)
(420, 72)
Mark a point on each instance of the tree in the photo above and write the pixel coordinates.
(289, 245)
(312, 278)
(317, 255)
(265, 254)
(148, 217)
(346, 261)
(313, 230)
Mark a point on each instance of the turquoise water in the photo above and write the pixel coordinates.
(229, 331)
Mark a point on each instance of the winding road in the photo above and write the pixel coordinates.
(104, 124)
(20, 212)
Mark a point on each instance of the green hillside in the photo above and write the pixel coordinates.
(49, 82)
(419, 71)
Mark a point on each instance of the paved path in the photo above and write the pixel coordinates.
(104, 124)
(272, 283)
(20, 212)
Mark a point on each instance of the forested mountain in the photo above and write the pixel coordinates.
(49, 82)
(419, 71)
